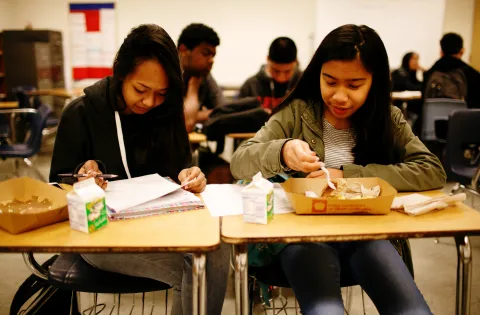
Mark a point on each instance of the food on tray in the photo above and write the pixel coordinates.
(33, 205)
(346, 191)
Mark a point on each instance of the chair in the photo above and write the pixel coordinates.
(462, 158)
(26, 101)
(70, 272)
(435, 109)
(32, 146)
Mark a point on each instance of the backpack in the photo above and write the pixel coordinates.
(55, 301)
(451, 84)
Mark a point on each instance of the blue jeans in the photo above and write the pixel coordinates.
(313, 271)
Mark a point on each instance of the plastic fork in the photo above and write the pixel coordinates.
(327, 174)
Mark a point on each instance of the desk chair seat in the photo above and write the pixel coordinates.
(462, 158)
(32, 146)
(71, 272)
(17, 150)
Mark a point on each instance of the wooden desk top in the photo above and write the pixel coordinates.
(247, 135)
(406, 95)
(291, 228)
(8, 105)
(59, 92)
(196, 137)
(191, 231)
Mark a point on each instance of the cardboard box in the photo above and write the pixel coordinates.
(23, 189)
(295, 190)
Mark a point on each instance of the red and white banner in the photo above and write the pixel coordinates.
(92, 33)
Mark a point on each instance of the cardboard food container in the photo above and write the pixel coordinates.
(295, 190)
(23, 189)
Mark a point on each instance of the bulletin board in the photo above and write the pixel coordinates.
(92, 39)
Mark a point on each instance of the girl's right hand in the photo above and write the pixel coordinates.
(297, 155)
(91, 169)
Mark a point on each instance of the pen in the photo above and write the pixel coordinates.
(86, 175)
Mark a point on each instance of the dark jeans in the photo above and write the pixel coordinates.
(313, 270)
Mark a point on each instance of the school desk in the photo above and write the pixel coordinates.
(58, 92)
(406, 96)
(458, 221)
(238, 138)
(192, 231)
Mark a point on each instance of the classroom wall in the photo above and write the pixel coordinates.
(6, 7)
(246, 27)
(406, 25)
(459, 18)
(475, 55)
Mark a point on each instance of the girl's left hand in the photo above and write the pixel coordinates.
(197, 178)
(334, 173)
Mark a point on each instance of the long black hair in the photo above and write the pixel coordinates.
(161, 137)
(372, 122)
(412, 74)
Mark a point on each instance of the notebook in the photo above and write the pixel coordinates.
(177, 201)
(147, 195)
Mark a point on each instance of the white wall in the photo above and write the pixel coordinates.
(246, 28)
(406, 25)
(6, 19)
(459, 18)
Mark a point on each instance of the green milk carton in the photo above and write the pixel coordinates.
(87, 209)
(257, 200)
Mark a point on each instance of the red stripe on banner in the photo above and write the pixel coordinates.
(80, 73)
(92, 19)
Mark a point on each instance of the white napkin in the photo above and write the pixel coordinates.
(416, 204)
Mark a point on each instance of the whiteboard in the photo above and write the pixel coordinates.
(403, 25)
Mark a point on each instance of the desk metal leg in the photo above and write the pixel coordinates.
(195, 158)
(12, 128)
(464, 275)
(199, 284)
(241, 280)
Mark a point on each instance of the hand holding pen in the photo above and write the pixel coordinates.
(90, 169)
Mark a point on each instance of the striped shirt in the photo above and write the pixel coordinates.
(338, 145)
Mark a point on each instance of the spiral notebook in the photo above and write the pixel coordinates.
(177, 201)
(148, 195)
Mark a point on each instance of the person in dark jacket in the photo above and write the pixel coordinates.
(197, 46)
(277, 77)
(133, 124)
(405, 77)
(452, 52)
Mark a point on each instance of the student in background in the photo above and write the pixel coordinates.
(133, 124)
(277, 77)
(340, 113)
(457, 79)
(197, 46)
(405, 77)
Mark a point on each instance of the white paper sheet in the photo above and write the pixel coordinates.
(223, 200)
(124, 194)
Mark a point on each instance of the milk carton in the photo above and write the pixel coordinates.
(257, 200)
(87, 210)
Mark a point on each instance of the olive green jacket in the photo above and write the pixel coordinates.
(418, 169)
